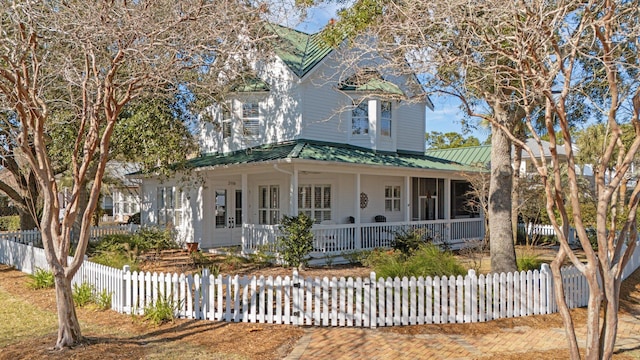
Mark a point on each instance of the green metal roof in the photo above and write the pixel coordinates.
(300, 51)
(329, 152)
(472, 155)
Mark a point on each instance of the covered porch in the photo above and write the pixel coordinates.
(335, 240)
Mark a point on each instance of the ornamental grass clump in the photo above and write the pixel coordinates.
(427, 260)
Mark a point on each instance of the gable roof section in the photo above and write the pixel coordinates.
(471, 156)
(300, 51)
(370, 81)
(329, 152)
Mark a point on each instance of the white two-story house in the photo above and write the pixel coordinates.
(309, 135)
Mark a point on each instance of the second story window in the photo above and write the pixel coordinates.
(360, 119)
(226, 122)
(385, 118)
(250, 119)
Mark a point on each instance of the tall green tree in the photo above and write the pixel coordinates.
(438, 140)
(92, 59)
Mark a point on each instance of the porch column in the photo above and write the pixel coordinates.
(245, 209)
(407, 199)
(447, 206)
(356, 213)
(293, 194)
(447, 198)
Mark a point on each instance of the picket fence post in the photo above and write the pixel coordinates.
(546, 278)
(126, 291)
(373, 294)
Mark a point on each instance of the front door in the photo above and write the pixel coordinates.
(227, 216)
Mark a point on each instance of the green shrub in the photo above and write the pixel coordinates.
(148, 238)
(41, 279)
(103, 299)
(296, 241)
(83, 294)
(527, 262)
(427, 260)
(10, 223)
(356, 257)
(408, 240)
(163, 310)
(116, 260)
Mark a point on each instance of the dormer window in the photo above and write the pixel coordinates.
(385, 118)
(226, 122)
(360, 118)
(250, 119)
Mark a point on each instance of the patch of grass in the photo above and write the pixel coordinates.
(41, 279)
(528, 262)
(83, 294)
(103, 299)
(116, 260)
(164, 310)
(20, 320)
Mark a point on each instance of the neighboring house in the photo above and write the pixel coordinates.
(309, 135)
(120, 194)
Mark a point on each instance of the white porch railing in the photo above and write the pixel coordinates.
(336, 239)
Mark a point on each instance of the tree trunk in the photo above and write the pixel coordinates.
(68, 326)
(515, 192)
(610, 326)
(503, 254)
(563, 309)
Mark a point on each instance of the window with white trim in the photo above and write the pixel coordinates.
(385, 118)
(250, 119)
(226, 122)
(269, 204)
(360, 118)
(315, 202)
(170, 203)
(392, 198)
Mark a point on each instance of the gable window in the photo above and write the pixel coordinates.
(360, 119)
(315, 202)
(269, 206)
(385, 118)
(169, 209)
(226, 122)
(392, 198)
(250, 119)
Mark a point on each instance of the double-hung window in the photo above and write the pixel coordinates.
(315, 202)
(385, 118)
(360, 118)
(269, 205)
(250, 119)
(169, 210)
(392, 198)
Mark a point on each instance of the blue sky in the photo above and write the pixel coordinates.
(446, 116)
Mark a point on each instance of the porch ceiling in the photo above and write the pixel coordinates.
(329, 152)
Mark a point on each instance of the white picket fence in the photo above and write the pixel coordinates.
(546, 230)
(96, 232)
(360, 302)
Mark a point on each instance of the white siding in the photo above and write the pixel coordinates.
(410, 130)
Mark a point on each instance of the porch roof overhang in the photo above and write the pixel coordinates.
(316, 151)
